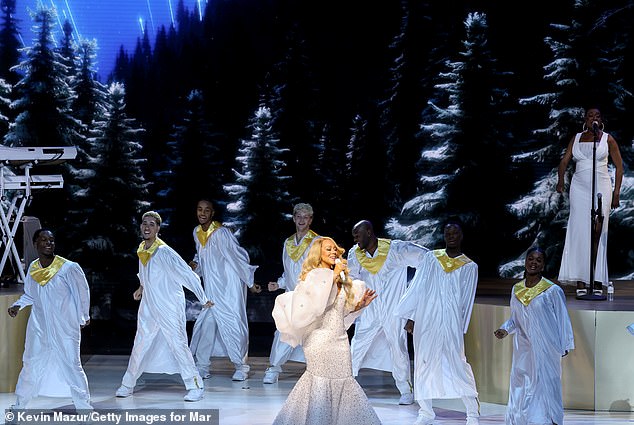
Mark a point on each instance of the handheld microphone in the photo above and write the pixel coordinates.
(342, 275)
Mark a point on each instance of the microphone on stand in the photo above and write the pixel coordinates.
(595, 126)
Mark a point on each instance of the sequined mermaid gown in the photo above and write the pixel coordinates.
(327, 393)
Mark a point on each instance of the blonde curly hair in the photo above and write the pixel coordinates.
(313, 261)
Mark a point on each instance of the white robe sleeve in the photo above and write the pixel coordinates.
(81, 292)
(408, 253)
(469, 277)
(510, 325)
(235, 255)
(558, 301)
(295, 310)
(178, 267)
(414, 294)
(26, 299)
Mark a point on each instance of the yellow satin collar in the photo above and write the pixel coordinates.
(526, 295)
(295, 252)
(203, 236)
(43, 275)
(146, 254)
(448, 263)
(374, 264)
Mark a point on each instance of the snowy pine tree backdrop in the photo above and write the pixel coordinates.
(403, 113)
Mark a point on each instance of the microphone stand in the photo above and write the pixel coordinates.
(596, 224)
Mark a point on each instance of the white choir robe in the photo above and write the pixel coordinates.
(51, 361)
(281, 352)
(440, 305)
(542, 334)
(379, 340)
(223, 330)
(161, 343)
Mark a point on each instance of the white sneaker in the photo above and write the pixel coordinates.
(124, 391)
(239, 375)
(406, 399)
(196, 394)
(270, 376)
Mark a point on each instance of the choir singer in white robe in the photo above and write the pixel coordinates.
(438, 305)
(543, 335)
(294, 252)
(379, 340)
(160, 344)
(222, 331)
(57, 291)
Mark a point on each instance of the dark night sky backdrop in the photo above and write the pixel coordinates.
(111, 22)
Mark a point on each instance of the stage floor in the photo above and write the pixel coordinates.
(253, 403)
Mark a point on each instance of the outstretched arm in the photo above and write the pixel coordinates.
(563, 164)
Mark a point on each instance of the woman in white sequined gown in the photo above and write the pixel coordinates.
(575, 262)
(316, 314)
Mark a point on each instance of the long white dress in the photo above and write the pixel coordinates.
(51, 361)
(223, 330)
(317, 317)
(379, 340)
(293, 255)
(440, 303)
(542, 334)
(160, 343)
(575, 262)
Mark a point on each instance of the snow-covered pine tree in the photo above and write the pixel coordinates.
(68, 50)
(293, 105)
(260, 206)
(42, 110)
(118, 189)
(88, 106)
(5, 101)
(465, 152)
(44, 96)
(195, 170)
(411, 84)
(9, 42)
(580, 75)
(365, 185)
(330, 195)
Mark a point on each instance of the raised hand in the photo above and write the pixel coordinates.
(368, 296)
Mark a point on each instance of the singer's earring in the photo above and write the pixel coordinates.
(584, 128)
(602, 126)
